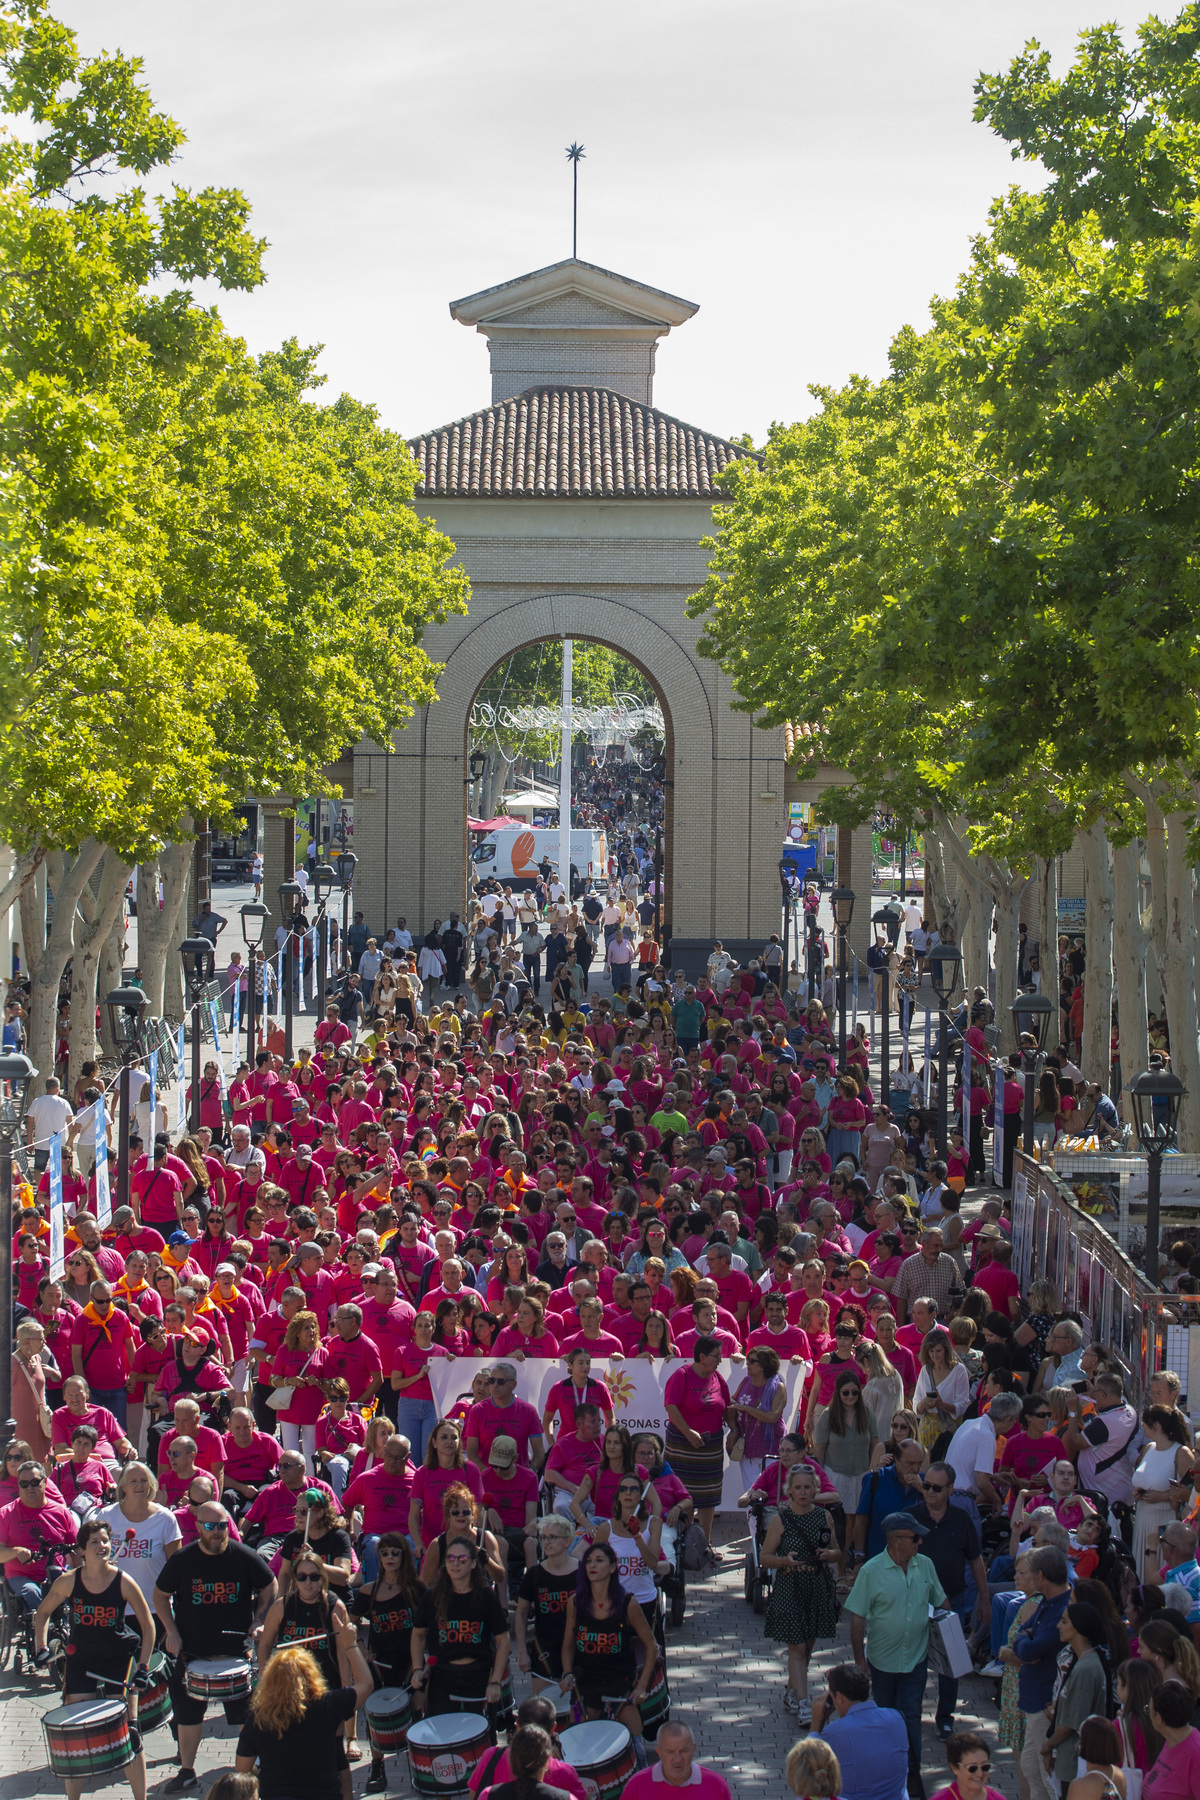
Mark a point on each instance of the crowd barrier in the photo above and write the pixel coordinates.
(1054, 1237)
(635, 1386)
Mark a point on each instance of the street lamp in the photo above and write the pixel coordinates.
(323, 878)
(254, 926)
(945, 968)
(890, 917)
(125, 1007)
(195, 952)
(290, 896)
(1032, 1014)
(1155, 1095)
(17, 1076)
(842, 900)
(345, 863)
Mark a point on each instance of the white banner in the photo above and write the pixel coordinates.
(58, 1261)
(103, 1197)
(635, 1387)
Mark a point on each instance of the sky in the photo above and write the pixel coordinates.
(809, 173)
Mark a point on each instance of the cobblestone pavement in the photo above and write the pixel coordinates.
(726, 1682)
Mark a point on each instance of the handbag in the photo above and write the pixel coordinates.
(736, 1449)
(44, 1419)
(280, 1398)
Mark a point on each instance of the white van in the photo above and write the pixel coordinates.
(512, 857)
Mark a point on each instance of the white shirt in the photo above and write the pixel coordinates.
(140, 1551)
(49, 1113)
(489, 903)
(972, 1452)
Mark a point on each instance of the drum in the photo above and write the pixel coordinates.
(469, 1703)
(443, 1751)
(154, 1703)
(602, 1755)
(563, 1702)
(656, 1707)
(389, 1715)
(218, 1678)
(89, 1739)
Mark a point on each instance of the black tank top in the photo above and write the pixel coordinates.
(310, 1623)
(96, 1622)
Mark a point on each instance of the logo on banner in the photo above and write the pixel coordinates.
(621, 1388)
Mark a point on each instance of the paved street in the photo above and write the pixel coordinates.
(726, 1682)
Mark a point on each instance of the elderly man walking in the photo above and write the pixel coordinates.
(677, 1768)
(889, 1627)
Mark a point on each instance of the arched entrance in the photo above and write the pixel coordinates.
(621, 650)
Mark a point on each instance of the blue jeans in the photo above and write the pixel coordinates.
(26, 1591)
(115, 1399)
(904, 1692)
(1003, 1608)
(415, 1420)
(963, 1604)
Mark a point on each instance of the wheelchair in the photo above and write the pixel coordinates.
(757, 1581)
(16, 1624)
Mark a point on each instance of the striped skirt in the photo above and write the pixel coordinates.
(701, 1470)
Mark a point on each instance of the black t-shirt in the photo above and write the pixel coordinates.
(335, 1543)
(214, 1596)
(547, 1595)
(305, 1759)
(390, 1623)
(469, 1630)
(950, 1546)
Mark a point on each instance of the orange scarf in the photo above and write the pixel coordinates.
(167, 1255)
(93, 1318)
(216, 1298)
(130, 1293)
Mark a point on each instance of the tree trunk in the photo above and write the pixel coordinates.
(173, 1001)
(1180, 973)
(1156, 857)
(91, 938)
(1129, 956)
(1007, 889)
(67, 883)
(157, 925)
(111, 975)
(1096, 1056)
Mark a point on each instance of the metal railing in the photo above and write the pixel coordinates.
(1055, 1238)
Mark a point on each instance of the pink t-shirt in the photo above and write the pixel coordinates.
(651, 1784)
(1175, 1775)
(558, 1774)
(701, 1400)
(789, 1342)
(1000, 1285)
(410, 1358)
(384, 1498)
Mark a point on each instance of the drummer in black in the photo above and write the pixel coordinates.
(102, 1653)
(210, 1597)
(389, 1606)
(460, 1640)
(542, 1600)
(599, 1660)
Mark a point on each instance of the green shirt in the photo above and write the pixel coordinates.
(895, 1603)
(1082, 1695)
(689, 1018)
(672, 1121)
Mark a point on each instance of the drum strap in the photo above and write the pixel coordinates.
(490, 1767)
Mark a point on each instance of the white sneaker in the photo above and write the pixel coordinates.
(790, 1702)
(804, 1712)
(994, 1669)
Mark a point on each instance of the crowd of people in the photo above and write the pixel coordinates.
(231, 1478)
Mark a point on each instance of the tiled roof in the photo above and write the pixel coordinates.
(796, 734)
(569, 443)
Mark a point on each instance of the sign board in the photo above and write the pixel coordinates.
(1072, 916)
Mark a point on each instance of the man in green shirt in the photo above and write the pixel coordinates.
(688, 1018)
(889, 1627)
(673, 1120)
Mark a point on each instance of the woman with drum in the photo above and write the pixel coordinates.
(542, 1596)
(293, 1718)
(389, 1607)
(603, 1624)
(460, 1641)
(801, 1546)
(320, 1527)
(308, 1616)
(635, 1532)
(101, 1651)
(594, 1496)
(463, 1516)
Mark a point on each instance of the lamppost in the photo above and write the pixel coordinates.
(254, 925)
(891, 918)
(290, 896)
(17, 1076)
(195, 952)
(345, 862)
(478, 765)
(125, 1007)
(1032, 1014)
(842, 899)
(945, 968)
(323, 878)
(1156, 1095)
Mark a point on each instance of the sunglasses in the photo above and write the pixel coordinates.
(976, 1768)
(308, 1575)
(499, 1380)
(935, 1487)
(40, 1482)
(215, 1525)
(457, 1559)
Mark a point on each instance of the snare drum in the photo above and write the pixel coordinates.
(443, 1751)
(602, 1755)
(389, 1715)
(656, 1707)
(221, 1678)
(154, 1703)
(469, 1703)
(89, 1739)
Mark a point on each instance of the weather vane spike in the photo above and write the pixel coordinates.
(575, 154)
